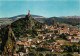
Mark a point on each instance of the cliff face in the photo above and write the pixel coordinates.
(29, 22)
(8, 40)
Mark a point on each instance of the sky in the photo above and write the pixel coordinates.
(46, 8)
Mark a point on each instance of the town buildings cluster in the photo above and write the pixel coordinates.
(47, 38)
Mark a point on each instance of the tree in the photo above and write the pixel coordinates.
(79, 47)
(55, 31)
(69, 55)
(40, 54)
(47, 54)
(72, 48)
(54, 54)
(62, 36)
(74, 34)
(31, 54)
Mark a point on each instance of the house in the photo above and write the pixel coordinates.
(40, 34)
(57, 48)
(75, 40)
(24, 40)
(16, 54)
(52, 50)
(61, 50)
(29, 39)
(73, 37)
(38, 31)
(38, 41)
(50, 34)
(34, 46)
(21, 54)
(43, 37)
(63, 30)
(62, 42)
(73, 32)
(78, 34)
(54, 37)
(41, 45)
(26, 50)
(20, 44)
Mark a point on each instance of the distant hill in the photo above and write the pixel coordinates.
(73, 20)
(75, 17)
(14, 18)
(36, 17)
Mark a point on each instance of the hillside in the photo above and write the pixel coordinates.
(72, 20)
(24, 27)
(6, 21)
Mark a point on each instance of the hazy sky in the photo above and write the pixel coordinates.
(46, 8)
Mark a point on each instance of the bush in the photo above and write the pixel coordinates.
(40, 54)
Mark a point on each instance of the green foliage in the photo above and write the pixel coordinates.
(38, 25)
(42, 49)
(69, 54)
(47, 54)
(58, 38)
(55, 31)
(62, 26)
(74, 34)
(63, 36)
(50, 41)
(40, 54)
(20, 28)
(70, 48)
(31, 54)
